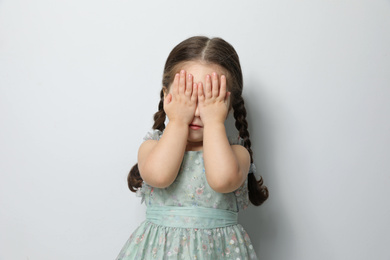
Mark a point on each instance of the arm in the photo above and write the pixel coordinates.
(226, 166)
(159, 161)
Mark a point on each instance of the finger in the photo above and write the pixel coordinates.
(182, 82)
(194, 96)
(189, 83)
(200, 92)
(215, 85)
(207, 90)
(175, 86)
(222, 91)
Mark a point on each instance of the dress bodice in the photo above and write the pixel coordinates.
(191, 188)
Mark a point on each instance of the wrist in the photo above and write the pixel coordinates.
(178, 124)
(213, 121)
(214, 125)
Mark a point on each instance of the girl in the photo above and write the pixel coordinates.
(192, 178)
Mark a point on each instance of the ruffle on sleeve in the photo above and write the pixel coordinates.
(252, 169)
(242, 192)
(236, 140)
(153, 134)
(142, 192)
(239, 141)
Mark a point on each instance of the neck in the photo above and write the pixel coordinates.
(196, 146)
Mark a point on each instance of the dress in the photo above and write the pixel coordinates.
(188, 219)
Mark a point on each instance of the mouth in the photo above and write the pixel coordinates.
(195, 126)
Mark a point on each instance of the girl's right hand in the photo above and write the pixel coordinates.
(181, 101)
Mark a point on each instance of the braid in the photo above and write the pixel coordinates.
(258, 193)
(242, 124)
(134, 179)
(211, 51)
(159, 116)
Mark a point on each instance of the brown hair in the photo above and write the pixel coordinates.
(212, 51)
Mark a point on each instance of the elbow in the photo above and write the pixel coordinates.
(155, 177)
(159, 182)
(229, 182)
(220, 188)
(224, 186)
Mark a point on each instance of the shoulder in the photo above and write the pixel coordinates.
(243, 157)
(240, 150)
(237, 145)
(150, 140)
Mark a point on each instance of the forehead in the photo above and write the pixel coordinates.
(200, 69)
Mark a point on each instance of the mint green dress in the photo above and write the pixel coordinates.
(188, 219)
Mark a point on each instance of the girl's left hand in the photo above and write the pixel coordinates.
(213, 100)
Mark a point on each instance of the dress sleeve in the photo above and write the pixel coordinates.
(239, 141)
(145, 189)
(236, 140)
(153, 134)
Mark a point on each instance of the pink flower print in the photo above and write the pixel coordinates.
(161, 240)
(204, 247)
(154, 252)
(199, 190)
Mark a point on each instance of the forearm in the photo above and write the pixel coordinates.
(221, 165)
(161, 166)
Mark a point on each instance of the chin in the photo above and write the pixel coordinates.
(195, 137)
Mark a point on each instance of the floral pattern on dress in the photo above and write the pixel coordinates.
(190, 189)
(241, 193)
(151, 241)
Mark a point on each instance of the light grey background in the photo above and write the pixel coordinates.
(79, 83)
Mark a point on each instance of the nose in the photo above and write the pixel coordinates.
(197, 114)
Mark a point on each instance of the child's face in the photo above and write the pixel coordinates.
(199, 72)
